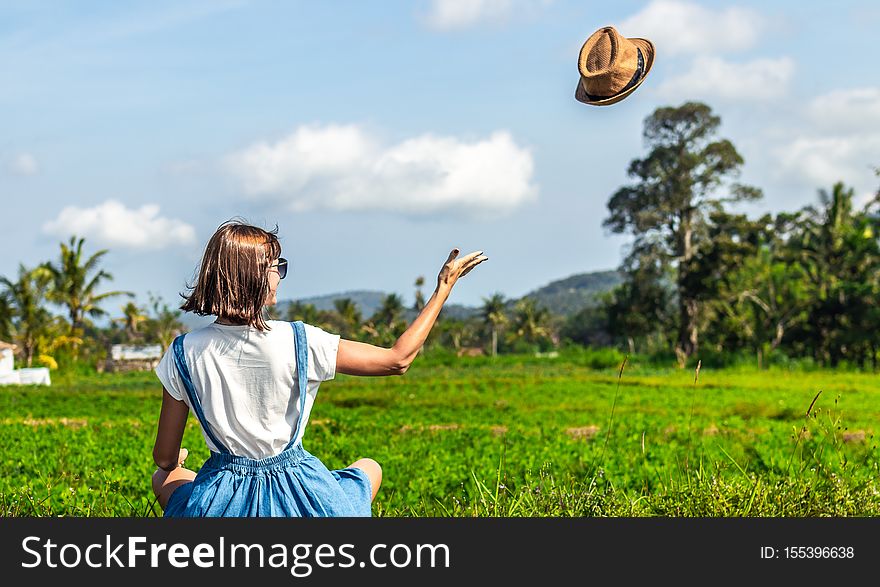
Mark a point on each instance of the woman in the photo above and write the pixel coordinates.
(252, 382)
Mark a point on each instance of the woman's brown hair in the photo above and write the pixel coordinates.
(233, 277)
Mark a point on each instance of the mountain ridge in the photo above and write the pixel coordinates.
(565, 296)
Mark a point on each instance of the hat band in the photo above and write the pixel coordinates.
(635, 79)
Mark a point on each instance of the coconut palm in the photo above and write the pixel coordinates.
(307, 313)
(386, 324)
(420, 297)
(164, 324)
(75, 281)
(530, 321)
(390, 311)
(132, 316)
(453, 330)
(349, 313)
(30, 319)
(494, 317)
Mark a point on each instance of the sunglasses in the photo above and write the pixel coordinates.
(281, 265)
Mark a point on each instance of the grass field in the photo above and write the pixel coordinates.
(511, 436)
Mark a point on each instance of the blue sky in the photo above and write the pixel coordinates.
(379, 135)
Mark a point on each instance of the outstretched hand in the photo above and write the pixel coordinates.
(455, 268)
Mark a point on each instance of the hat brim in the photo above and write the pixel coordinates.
(647, 48)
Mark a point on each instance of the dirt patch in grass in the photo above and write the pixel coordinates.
(437, 427)
(406, 428)
(856, 436)
(582, 432)
(37, 422)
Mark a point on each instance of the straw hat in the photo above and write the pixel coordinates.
(612, 67)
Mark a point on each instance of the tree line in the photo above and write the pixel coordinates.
(71, 336)
(699, 278)
(71, 286)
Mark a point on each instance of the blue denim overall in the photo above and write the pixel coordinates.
(291, 483)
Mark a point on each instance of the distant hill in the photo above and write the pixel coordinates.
(565, 297)
(570, 295)
(368, 301)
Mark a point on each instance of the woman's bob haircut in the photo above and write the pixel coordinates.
(233, 277)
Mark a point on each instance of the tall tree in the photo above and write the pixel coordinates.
(30, 319)
(75, 283)
(494, 315)
(676, 186)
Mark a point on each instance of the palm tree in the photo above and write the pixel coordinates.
(164, 325)
(349, 313)
(837, 250)
(454, 330)
(420, 297)
(132, 316)
(75, 281)
(25, 298)
(390, 311)
(385, 325)
(494, 317)
(530, 321)
(307, 313)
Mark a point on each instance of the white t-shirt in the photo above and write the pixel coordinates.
(245, 382)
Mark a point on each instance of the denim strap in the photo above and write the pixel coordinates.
(302, 372)
(180, 362)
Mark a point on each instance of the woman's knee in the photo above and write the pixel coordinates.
(373, 471)
(375, 467)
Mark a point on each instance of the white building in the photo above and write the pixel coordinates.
(127, 357)
(9, 375)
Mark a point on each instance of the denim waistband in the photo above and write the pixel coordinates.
(290, 456)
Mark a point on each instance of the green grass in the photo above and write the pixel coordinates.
(512, 436)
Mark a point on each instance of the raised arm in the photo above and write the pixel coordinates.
(359, 358)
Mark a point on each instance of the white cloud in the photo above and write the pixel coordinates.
(24, 164)
(823, 161)
(111, 223)
(760, 79)
(685, 27)
(340, 167)
(447, 15)
(854, 110)
(311, 152)
(837, 140)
